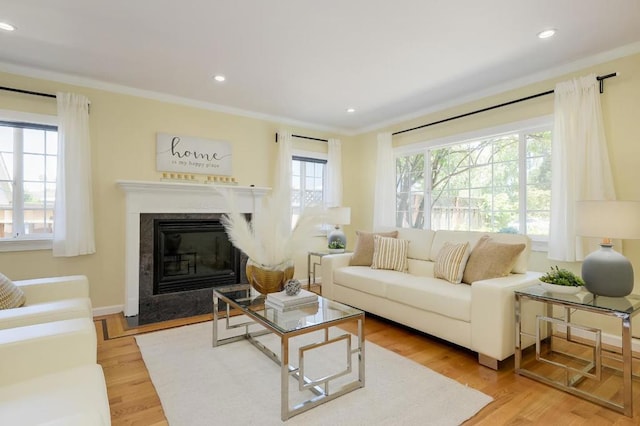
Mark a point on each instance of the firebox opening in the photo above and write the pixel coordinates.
(192, 254)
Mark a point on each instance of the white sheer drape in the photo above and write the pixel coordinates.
(580, 162)
(282, 188)
(333, 197)
(73, 232)
(384, 203)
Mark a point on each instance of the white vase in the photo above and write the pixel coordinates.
(555, 288)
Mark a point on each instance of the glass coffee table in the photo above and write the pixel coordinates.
(239, 308)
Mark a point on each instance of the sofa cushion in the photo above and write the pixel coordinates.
(11, 296)
(363, 251)
(433, 295)
(451, 261)
(77, 393)
(46, 312)
(390, 253)
(491, 259)
(365, 279)
(420, 242)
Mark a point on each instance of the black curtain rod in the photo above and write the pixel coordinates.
(28, 92)
(305, 137)
(537, 95)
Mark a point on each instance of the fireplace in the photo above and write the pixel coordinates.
(191, 254)
(183, 256)
(190, 200)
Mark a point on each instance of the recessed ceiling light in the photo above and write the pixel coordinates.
(350, 110)
(219, 78)
(6, 27)
(547, 33)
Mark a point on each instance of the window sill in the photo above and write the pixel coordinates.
(542, 246)
(26, 244)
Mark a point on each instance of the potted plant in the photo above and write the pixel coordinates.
(268, 239)
(561, 280)
(336, 246)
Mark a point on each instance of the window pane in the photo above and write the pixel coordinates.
(50, 195)
(35, 222)
(33, 167)
(52, 143)
(410, 187)
(33, 141)
(51, 164)
(6, 165)
(34, 194)
(538, 223)
(6, 139)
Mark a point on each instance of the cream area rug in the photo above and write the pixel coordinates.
(236, 384)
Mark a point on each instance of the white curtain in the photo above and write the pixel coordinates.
(333, 197)
(282, 189)
(580, 162)
(73, 232)
(384, 203)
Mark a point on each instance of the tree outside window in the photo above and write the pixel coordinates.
(499, 184)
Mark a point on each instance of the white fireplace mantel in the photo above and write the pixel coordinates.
(171, 197)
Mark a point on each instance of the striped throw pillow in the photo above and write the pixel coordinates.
(11, 296)
(450, 262)
(390, 253)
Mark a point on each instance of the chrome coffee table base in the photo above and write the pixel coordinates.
(328, 314)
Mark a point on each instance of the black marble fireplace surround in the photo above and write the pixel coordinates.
(182, 287)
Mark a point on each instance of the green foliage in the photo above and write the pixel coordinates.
(336, 244)
(561, 276)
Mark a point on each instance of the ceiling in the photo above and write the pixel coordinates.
(305, 62)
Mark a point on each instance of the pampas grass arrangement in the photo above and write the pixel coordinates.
(268, 238)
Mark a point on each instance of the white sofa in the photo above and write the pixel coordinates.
(479, 317)
(49, 299)
(49, 375)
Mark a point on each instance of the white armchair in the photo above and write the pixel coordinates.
(49, 375)
(49, 299)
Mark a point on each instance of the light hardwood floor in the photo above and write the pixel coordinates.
(517, 400)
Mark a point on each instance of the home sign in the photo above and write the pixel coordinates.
(185, 154)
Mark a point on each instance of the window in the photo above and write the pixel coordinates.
(499, 182)
(28, 165)
(307, 186)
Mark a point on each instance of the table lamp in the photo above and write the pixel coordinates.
(605, 271)
(339, 216)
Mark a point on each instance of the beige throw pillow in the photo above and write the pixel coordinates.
(450, 262)
(390, 253)
(11, 296)
(363, 251)
(491, 259)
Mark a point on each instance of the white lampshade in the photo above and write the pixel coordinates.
(608, 219)
(339, 215)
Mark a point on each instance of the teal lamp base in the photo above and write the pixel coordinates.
(607, 273)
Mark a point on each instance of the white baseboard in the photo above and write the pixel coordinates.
(107, 310)
(607, 339)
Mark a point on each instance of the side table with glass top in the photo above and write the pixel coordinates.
(570, 356)
(258, 319)
(312, 264)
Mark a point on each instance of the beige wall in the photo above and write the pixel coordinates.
(123, 132)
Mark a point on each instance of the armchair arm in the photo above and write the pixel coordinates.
(41, 290)
(493, 315)
(35, 350)
(329, 264)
